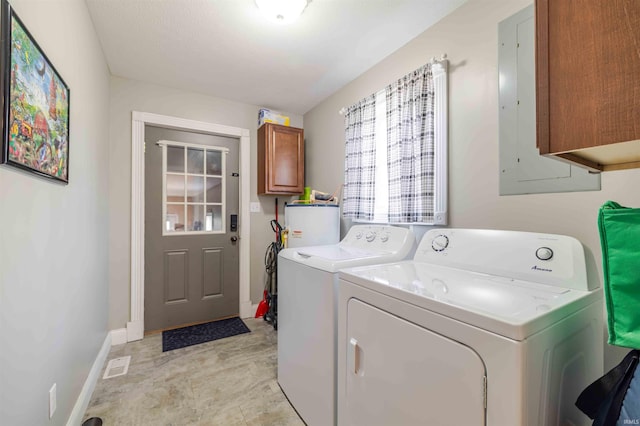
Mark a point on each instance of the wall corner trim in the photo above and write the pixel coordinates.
(80, 407)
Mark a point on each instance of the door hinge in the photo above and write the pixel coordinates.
(484, 391)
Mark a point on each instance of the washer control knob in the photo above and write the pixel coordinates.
(544, 253)
(384, 237)
(440, 242)
(370, 236)
(358, 235)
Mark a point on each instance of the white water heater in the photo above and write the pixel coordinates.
(312, 224)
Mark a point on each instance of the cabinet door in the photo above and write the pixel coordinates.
(286, 156)
(401, 374)
(280, 159)
(587, 68)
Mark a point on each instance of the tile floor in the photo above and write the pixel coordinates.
(226, 382)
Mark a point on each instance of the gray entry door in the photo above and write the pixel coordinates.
(190, 278)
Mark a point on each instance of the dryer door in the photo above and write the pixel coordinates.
(402, 374)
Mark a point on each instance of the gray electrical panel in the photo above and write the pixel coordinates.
(522, 169)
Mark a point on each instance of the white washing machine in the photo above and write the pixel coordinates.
(307, 315)
(496, 328)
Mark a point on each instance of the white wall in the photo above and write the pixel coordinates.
(469, 36)
(128, 96)
(53, 241)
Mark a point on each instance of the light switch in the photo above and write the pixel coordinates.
(254, 207)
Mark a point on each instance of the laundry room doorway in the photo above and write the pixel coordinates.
(141, 121)
(191, 228)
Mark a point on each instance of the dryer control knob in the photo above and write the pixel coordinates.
(358, 235)
(544, 253)
(384, 238)
(371, 236)
(440, 242)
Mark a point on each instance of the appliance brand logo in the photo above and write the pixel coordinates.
(536, 268)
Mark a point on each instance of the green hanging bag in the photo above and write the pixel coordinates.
(620, 240)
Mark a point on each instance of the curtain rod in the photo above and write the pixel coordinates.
(435, 60)
(432, 61)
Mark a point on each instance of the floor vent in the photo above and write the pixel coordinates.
(117, 367)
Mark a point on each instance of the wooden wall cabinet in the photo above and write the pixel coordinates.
(588, 82)
(280, 159)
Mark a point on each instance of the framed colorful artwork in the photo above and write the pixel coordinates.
(36, 104)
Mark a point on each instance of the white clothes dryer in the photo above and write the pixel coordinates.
(496, 328)
(307, 315)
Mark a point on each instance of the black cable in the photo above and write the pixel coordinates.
(271, 255)
(271, 258)
(278, 230)
(271, 267)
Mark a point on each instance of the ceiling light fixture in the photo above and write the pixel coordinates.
(282, 10)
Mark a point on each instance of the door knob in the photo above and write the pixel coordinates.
(234, 239)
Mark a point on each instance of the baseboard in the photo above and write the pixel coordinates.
(118, 337)
(247, 310)
(84, 398)
(250, 311)
(135, 331)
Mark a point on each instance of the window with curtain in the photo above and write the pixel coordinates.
(396, 151)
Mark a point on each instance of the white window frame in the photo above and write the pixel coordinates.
(164, 144)
(441, 141)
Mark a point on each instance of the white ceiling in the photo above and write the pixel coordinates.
(227, 49)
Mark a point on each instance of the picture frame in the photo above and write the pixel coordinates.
(35, 114)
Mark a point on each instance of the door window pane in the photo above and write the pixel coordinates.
(174, 222)
(214, 163)
(214, 218)
(193, 193)
(175, 188)
(195, 161)
(195, 189)
(214, 190)
(175, 159)
(195, 215)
